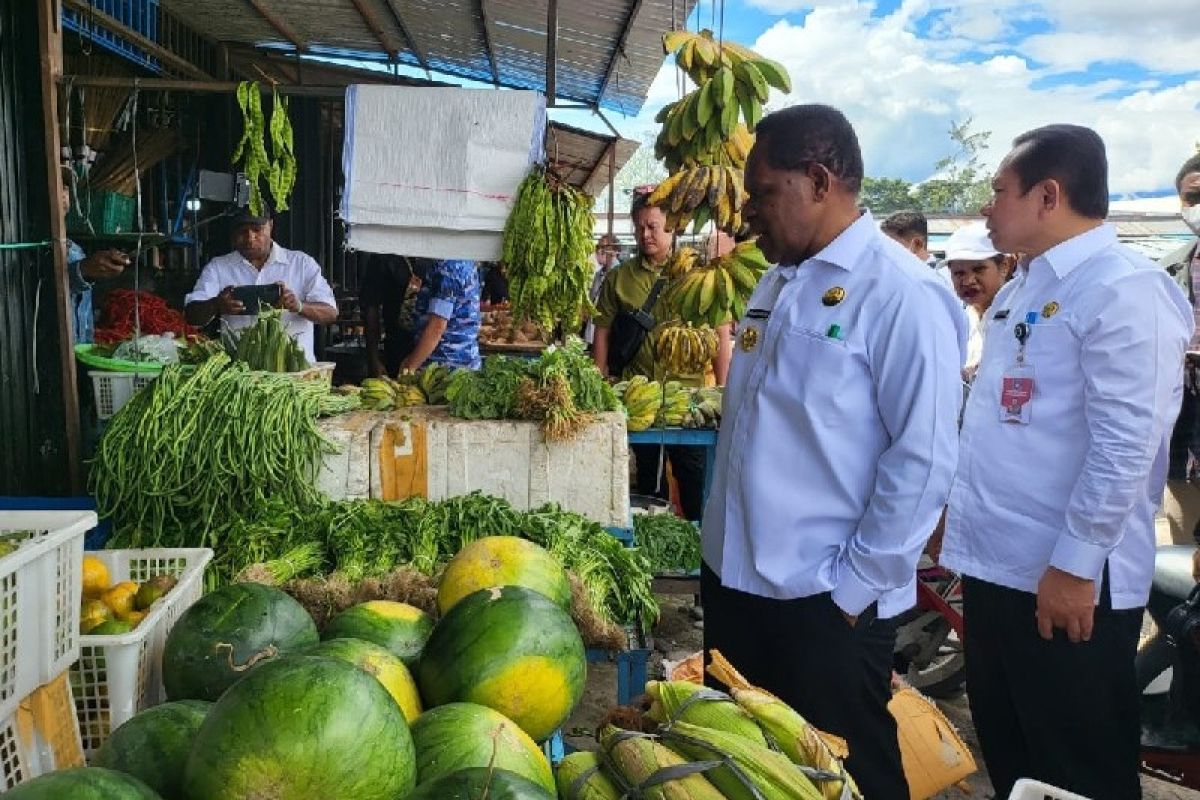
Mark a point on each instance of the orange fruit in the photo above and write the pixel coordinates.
(95, 577)
(92, 614)
(120, 598)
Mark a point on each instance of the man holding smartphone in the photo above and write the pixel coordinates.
(257, 260)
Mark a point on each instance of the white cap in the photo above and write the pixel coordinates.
(970, 243)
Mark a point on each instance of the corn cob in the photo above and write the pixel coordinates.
(794, 736)
(580, 777)
(751, 772)
(638, 758)
(672, 702)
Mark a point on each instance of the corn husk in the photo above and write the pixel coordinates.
(751, 772)
(682, 701)
(638, 760)
(580, 776)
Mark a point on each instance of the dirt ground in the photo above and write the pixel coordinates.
(678, 634)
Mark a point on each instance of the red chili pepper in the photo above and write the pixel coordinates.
(119, 310)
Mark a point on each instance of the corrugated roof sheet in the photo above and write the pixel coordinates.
(449, 37)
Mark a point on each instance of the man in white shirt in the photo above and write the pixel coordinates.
(837, 446)
(1063, 460)
(257, 260)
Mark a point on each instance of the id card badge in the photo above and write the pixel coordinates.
(1016, 394)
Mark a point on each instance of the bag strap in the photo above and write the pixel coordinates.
(653, 296)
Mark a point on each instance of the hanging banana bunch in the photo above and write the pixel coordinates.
(717, 292)
(547, 252)
(251, 151)
(683, 349)
(706, 136)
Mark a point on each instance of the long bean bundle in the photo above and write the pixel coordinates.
(193, 448)
(547, 251)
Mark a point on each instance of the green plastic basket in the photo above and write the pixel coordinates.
(83, 352)
(110, 212)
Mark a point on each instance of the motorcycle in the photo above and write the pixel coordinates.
(929, 638)
(1168, 671)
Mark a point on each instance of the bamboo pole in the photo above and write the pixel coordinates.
(50, 47)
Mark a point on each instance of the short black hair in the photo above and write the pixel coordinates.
(640, 202)
(1189, 166)
(796, 136)
(906, 223)
(1070, 154)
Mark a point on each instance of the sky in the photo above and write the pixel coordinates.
(903, 70)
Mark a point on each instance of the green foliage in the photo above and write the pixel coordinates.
(885, 195)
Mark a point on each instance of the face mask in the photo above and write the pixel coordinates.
(1191, 218)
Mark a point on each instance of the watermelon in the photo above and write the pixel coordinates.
(397, 627)
(153, 746)
(299, 728)
(461, 736)
(382, 665)
(228, 633)
(510, 649)
(503, 561)
(478, 783)
(83, 783)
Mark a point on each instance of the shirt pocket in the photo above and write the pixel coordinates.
(1052, 349)
(814, 369)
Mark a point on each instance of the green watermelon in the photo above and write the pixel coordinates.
(83, 783)
(460, 736)
(385, 667)
(229, 632)
(510, 649)
(503, 561)
(299, 728)
(480, 783)
(397, 627)
(153, 746)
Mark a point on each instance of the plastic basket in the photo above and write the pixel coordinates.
(113, 389)
(42, 735)
(110, 212)
(40, 586)
(118, 676)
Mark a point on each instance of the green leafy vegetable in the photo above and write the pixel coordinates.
(671, 544)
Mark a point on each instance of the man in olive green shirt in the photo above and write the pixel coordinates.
(626, 289)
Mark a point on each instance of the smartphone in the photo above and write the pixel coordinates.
(257, 298)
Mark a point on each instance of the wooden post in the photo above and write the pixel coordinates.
(612, 183)
(50, 47)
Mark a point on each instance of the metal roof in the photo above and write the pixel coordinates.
(607, 51)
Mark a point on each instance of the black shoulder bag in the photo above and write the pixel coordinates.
(629, 330)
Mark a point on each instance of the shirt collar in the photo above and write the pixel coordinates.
(275, 256)
(1064, 257)
(847, 249)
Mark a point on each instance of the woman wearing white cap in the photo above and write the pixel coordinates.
(978, 270)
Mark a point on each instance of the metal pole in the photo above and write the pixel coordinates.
(551, 52)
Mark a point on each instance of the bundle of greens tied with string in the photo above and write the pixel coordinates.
(562, 389)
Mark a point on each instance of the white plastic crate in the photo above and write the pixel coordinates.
(41, 736)
(118, 676)
(113, 389)
(1026, 789)
(40, 587)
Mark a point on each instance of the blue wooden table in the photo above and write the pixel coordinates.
(690, 437)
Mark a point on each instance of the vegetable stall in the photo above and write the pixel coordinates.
(393, 588)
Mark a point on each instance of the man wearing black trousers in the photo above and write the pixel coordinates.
(837, 444)
(1063, 460)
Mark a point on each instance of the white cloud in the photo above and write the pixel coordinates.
(902, 90)
(794, 6)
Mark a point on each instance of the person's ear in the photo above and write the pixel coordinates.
(1050, 195)
(822, 180)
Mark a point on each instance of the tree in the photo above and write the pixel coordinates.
(962, 185)
(641, 169)
(885, 195)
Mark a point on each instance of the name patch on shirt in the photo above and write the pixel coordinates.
(758, 313)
